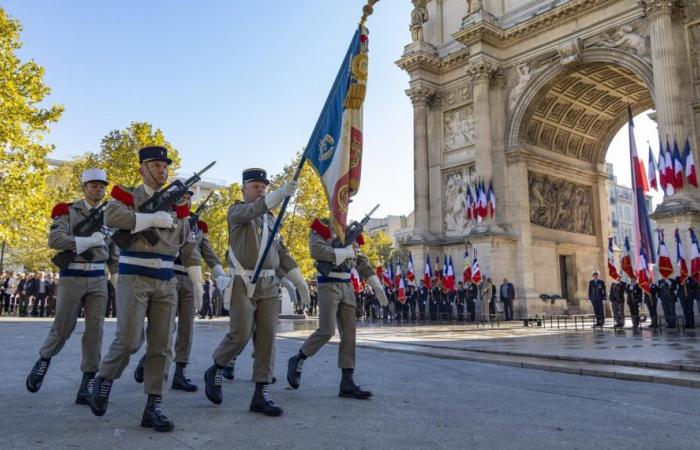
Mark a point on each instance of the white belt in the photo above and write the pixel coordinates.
(86, 267)
(153, 263)
(339, 275)
(264, 273)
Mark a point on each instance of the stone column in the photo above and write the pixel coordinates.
(480, 74)
(667, 95)
(420, 96)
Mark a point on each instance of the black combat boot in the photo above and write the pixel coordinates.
(212, 384)
(262, 403)
(228, 370)
(99, 397)
(180, 380)
(294, 366)
(349, 389)
(138, 371)
(86, 385)
(36, 376)
(654, 323)
(153, 416)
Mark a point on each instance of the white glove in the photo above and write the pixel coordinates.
(291, 290)
(378, 289)
(113, 277)
(160, 219)
(299, 283)
(195, 275)
(341, 254)
(218, 271)
(84, 243)
(223, 281)
(273, 199)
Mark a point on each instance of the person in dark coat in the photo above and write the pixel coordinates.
(597, 295)
(634, 299)
(617, 298)
(685, 292)
(423, 294)
(668, 302)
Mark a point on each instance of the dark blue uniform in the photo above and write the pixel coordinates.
(596, 294)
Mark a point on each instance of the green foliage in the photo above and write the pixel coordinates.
(215, 215)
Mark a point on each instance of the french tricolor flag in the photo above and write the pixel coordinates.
(652, 169)
(411, 273)
(668, 166)
(664, 257)
(626, 263)
(612, 270)
(399, 283)
(643, 278)
(690, 174)
(428, 273)
(467, 274)
(677, 166)
(476, 271)
(694, 256)
(450, 275)
(470, 202)
(492, 201)
(680, 257)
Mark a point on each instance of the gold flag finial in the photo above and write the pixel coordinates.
(367, 10)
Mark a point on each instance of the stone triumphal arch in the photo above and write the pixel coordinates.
(528, 94)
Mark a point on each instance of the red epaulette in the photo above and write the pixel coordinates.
(182, 210)
(321, 228)
(360, 240)
(60, 209)
(120, 194)
(202, 225)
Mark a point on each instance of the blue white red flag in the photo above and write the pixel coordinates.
(694, 256)
(680, 257)
(612, 270)
(411, 272)
(664, 257)
(335, 146)
(427, 273)
(691, 175)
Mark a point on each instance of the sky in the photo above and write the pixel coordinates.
(239, 82)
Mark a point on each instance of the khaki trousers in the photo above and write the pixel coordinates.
(139, 297)
(336, 304)
(72, 292)
(261, 312)
(185, 319)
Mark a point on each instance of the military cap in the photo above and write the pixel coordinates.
(255, 174)
(93, 175)
(154, 153)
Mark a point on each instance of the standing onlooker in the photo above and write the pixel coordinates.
(51, 294)
(313, 292)
(111, 310)
(507, 294)
(206, 309)
(21, 297)
(596, 294)
(485, 296)
(9, 286)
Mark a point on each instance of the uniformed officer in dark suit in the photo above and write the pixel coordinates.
(596, 294)
(434, 298)
(668, 302)
(650, 300)
(634, 299)
(460, 301)
(422, 299)
(472, 292)
(617, 298)
(411, 301)
(686, 294)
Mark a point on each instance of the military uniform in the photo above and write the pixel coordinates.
(650, 300)
(422, 300)
(617, 297)
(460, 302)
(146, 287)
(336, 305)
(249, 227)
(686, 295)
(83, 284)
(472, 294)
(634, 299)
(596, 294)
(668, 302)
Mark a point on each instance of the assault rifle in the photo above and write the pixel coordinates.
(162, 200)
(351, 234)
(194, 217)
(86, 227)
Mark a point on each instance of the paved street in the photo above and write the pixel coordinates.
(419, 401)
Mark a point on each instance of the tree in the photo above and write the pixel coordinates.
(23, 123)
(378, 248)
(215, 215)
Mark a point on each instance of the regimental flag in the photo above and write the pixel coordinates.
(428, 272)
(691, 175)
(335, 147)
(626, 263)
(492, 201)
(640, 187)
(450, 275)
(476, 270)
(643, 273)
(653, 182)
(662, 167)
(612, 270)
(355, 278)
(467, 274)
(677, 166)
(664, 257)
(694, 256)
(668, 166)
(411, 273)
(400, 283)
(470, 202)
(680, 257)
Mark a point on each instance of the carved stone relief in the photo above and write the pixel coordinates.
(524, 75)
(632, 37)
(694, 46)
(459, 129)
(419, 16)
(560, 205)
(457, 95)
(455, 210)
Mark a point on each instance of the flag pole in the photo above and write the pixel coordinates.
(367, 11)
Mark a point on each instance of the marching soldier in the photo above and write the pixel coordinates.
(189, 299)
(617, 297)
(146, 286)
(82, 282)
(634, 299)
(250, 223)
(596, 294)
(336, 303)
